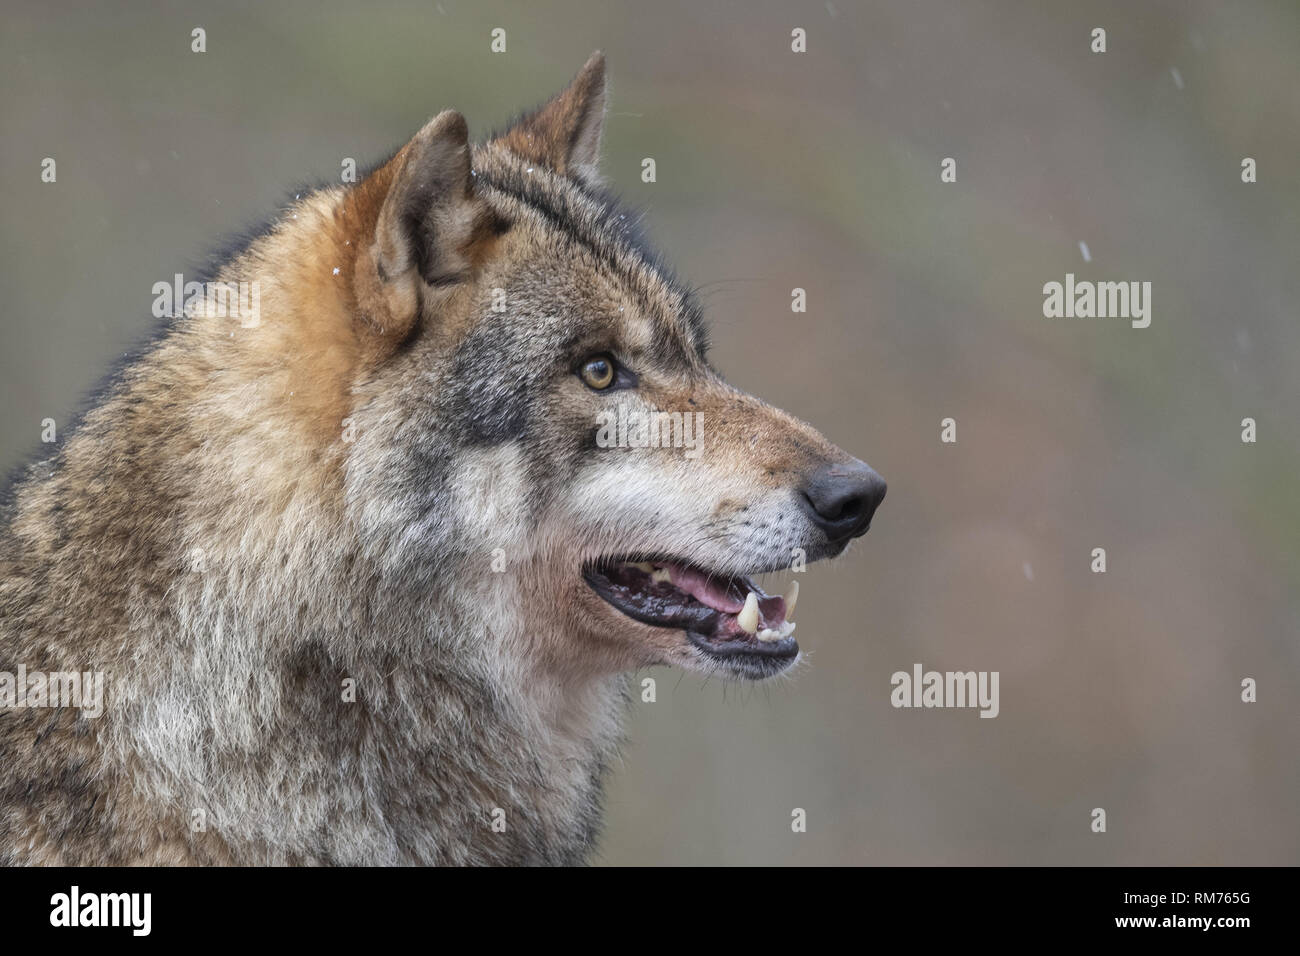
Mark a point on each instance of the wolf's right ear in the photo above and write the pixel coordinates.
(564, 134)
(423, 217)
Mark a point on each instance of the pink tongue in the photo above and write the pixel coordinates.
(707, 590)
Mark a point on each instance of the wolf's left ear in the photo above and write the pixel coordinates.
(564, 135)
(429, 212)
(418, 220)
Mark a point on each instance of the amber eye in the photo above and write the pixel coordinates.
(597, 372)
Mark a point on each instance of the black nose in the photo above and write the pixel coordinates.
(841, 498)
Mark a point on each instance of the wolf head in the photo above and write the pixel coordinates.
(538, 435)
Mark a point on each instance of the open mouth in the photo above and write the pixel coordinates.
(725, 616)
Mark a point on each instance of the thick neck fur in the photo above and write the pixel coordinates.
(289, 679)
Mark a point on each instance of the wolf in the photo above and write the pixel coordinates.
(364, 587)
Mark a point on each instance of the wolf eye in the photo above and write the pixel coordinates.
(597, 372)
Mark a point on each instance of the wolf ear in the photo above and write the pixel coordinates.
(564, 135)
(429, 214)
(423, 218)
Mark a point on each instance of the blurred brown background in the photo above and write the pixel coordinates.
(821, 170)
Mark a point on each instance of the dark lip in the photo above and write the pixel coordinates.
(754, 658)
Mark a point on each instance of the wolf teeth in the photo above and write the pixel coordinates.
(748, 616)
(791, 596)
(767, 634)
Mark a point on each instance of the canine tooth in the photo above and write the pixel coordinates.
(791, 596)
(645, 566)
(748, 616)
(660, 575)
